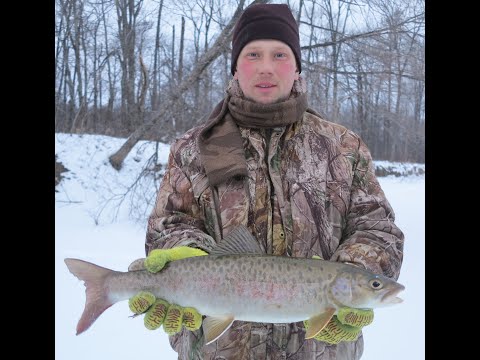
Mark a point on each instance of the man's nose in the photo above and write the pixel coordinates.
(265, 66)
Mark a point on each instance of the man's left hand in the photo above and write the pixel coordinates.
(345, 326)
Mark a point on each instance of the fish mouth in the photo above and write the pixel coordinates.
(390, 297)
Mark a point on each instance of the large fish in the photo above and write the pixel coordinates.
(237, 281)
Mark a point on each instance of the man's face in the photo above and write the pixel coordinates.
(266, 70)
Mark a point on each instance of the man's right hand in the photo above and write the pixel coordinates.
(159, 311)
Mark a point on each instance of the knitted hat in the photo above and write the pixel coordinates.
(266, 21)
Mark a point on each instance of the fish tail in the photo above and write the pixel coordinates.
(97, 298)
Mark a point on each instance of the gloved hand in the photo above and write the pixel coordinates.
(345, 326)
(159, 311)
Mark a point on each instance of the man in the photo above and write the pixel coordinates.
(303, 186)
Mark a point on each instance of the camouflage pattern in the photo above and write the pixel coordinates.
(310, 190)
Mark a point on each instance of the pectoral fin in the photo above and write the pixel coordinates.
(137, 265)
(318, 322)
(214, 327)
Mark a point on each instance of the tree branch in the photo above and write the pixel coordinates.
(368, 34)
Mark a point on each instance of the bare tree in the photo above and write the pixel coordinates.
(111, 77)
(155, 76)
(77, 43)
(180, 56)
(127, 15)
(67, 81)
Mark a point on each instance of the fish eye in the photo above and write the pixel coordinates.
(376, 284)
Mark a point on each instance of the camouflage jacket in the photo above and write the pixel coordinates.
(311, 190)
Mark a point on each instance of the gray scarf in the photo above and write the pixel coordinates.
(220, 142)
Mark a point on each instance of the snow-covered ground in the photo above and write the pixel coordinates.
(88, 226)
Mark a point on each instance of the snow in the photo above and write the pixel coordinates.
(90, 228)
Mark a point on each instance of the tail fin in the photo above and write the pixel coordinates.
(97, 298)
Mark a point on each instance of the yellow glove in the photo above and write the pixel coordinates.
(159, 311)
(345, 326)
(157, 258)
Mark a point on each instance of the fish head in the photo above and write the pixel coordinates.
(357, 288)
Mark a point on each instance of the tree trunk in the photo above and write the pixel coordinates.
(76, 45)
(156, 55)
(96, 80)
(127, 13)
(180, 52)
(108, 122)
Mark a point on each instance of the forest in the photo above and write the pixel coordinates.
(152, 69)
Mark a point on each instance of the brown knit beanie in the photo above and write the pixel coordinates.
(266, 21)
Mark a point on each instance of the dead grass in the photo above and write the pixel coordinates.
(59, 170)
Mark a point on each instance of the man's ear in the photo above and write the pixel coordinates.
(235, 76)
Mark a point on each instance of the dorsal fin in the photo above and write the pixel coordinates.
(238, 241)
